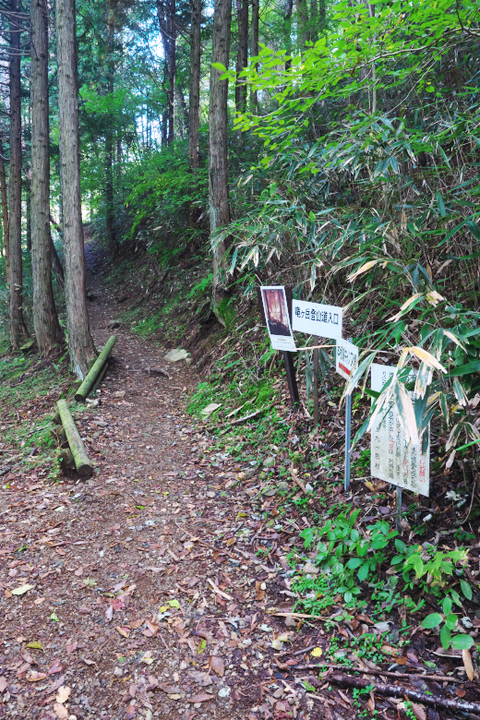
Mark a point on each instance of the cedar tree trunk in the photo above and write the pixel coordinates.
(4, 202)
(17, 324)
(194, 99)
(218, 160)
(242, 56)
(168, 31)
(45, 320)
(80, 343)
(254, 51)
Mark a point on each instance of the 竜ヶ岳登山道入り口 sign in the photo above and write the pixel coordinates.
(316, 319)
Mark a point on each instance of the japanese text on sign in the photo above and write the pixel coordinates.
(392, 458)
(315, 319)
(346, 358)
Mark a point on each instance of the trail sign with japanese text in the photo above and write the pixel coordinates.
(392, 458)
(316, 319)
(346, 358)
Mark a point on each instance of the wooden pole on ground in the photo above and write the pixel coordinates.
(82, 463)
(96, 370)
(100, 378)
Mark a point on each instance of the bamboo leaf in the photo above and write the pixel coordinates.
(426, 357)
(362, 269)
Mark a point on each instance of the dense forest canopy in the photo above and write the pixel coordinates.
(330, 146)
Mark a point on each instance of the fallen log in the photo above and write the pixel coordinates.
(88, 383)
(99, 378)
(400, 691)
(83, 465)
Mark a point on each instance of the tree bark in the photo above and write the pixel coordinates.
(302, 23)
(254, 51)
(18, 328)
(182, 115)
(242, 56)
(4, 202)
(194, 93)
(45, 320)
(168, 31)
(81, 347)
(287, 32)
(109, 135)
(218, 162)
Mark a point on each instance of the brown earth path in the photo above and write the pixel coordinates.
(140, 605)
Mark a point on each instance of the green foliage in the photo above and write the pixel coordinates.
(203, 287)
(448, 622)
(348, 557)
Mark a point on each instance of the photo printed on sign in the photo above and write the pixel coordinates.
(276, 314)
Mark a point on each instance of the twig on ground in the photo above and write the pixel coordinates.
(368, 671)
(400, 691)
(218, 591)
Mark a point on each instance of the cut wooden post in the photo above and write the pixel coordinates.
(82, 463)
(85, 388)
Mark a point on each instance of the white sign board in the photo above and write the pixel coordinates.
(392, 459)
(316, 319)
(346, 358)
(276, 314)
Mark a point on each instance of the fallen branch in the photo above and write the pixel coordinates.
(399, 691)
(368, 671)
(296, 615)
(248, 417)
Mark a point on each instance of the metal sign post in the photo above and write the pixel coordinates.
(315, 383)
(346, 361)
(398, 512)
(348, 433)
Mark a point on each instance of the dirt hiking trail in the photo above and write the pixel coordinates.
(141, 603)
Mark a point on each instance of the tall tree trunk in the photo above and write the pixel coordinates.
(218, 122)
(45, 320)
(18, 328)
(242, 56)
(322, 15)
(168, 31)
(4, 202)
(254, 51)
(109, 135)
(303, 24)
(287, 32)
(194, 91)
(182, 115)
(27, 184)
(80, 343)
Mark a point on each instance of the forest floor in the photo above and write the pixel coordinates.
(156, 589)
